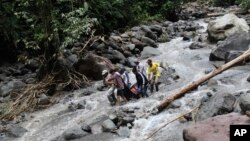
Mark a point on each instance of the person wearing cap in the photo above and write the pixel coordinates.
(112, 89)
(139, 66)
(153, 74)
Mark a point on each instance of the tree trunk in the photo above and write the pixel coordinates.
(195, 84)
(222, 14)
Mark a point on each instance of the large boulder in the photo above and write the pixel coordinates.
(237, 42)
(92, 65)
(14, 85)
(74, 133)
(219, 104)
(245, 103)
(225, 26)
(214, 129)
(149, 52)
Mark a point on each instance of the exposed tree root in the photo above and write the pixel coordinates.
(27, 100)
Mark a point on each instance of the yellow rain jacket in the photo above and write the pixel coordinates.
(154, 69)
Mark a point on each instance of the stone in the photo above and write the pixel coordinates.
(15, 130)
(244, 102)
(108, 125)
(215, 128)
(225, 26)
(124, 132)
(74, 133)
(149, 52)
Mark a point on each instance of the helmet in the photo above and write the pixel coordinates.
(104, 72)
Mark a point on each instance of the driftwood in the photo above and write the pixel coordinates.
(164, 125)
(221, 14)
(195, 84)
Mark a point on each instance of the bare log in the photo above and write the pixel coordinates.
(222, 14)
(195, 84)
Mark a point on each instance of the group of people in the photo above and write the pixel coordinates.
(121, 89)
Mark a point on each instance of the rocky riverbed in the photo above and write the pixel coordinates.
(186, 49)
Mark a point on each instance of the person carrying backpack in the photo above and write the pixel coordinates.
(119, 84)
(142, 82)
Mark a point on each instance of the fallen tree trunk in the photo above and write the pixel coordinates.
(222, 14)
(195, 84)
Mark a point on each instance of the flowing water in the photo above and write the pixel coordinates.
(189, 64)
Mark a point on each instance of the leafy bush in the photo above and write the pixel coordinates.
(244, 4)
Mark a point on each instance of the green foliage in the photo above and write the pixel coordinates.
(39, 25)
(244, 4)
(223, 2)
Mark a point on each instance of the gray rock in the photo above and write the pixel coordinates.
(216, 105)
(108, 125)
(74, 133)
(245, 102)
(175, 104)
(225, 26)
(127, 120)
(15, 130)
(123, 132)
(149, 42)
(14, 85)
(131, 46)
(236, 42)
(232, 55)
(113, 117)
(96, 129)
(215, 128)
(149, 52)
(43, 100)
(86, 128)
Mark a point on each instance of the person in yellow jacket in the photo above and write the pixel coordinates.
(153, 74)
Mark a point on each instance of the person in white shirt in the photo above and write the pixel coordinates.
(140, 67)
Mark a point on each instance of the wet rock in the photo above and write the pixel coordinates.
(74, 133)
(123, 132)
(149, 52)
(156, 28)
(114, 118)
(127, 120)
(236, 42)
(248, 79)
(225, 26)
(131, 46)
(14, 130)
(187, 36)
(197, 45)
(43, 100)
(93, 64)
(115, 56)
(212, 83)
(213, 129)
(230, 55)
(138, 44)
(245, 103)
(216, 105)
(86, 93)
(175, 104)
(96, 129)
(86, 128)
(149, 42)
(81, 105)
(108, 125)
(14, 85)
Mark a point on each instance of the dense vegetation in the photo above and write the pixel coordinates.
(42, 25)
